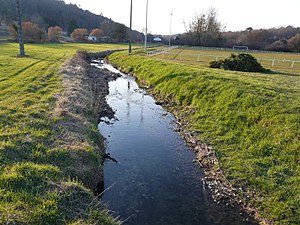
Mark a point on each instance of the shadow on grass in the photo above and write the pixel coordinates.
(281, 73)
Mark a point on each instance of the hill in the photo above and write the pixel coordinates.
(48, 13)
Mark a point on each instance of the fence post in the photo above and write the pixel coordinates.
(293, 64)
(273, 63)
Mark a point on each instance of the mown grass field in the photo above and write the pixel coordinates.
(252, 120)
(202, 58)
(34, 186)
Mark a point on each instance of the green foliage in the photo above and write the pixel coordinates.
(241, 62)
(251, 119)
(34, 174)
(216, 64)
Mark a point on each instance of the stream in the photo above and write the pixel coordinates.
(154, 180)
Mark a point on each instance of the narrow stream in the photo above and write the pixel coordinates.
(155, 180)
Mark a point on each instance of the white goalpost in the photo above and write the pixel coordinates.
(242, 48)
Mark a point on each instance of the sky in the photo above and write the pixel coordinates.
(235, 15)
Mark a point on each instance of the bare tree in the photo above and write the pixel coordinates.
(205, 29)
(20, 30)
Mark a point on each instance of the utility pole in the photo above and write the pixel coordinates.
(146, 26)
(20, 30)
(170, 29)
(130, 32)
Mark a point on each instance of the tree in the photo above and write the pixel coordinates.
(106, 27)
(54, 33)
(294, 43)
(97, 33)
(205, 29)
(79, 35)
(13, 32)
(32, 33)
(20, 30)
(249, 29)
(258, 39)
(120, 32)
(280, 45)
(72, 26)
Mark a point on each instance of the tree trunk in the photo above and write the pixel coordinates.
(20, 30)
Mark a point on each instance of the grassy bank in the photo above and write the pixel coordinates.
(43, 180)
(251, 119)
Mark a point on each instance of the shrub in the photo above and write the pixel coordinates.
(241, 62)
(216, 64)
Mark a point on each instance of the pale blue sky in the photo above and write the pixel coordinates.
(234, 14)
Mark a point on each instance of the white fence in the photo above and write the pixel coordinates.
(249, 50)
(165, 54)
(160, 51)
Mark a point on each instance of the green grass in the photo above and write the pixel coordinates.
(251, 119)
(190, 56)
(37, 180)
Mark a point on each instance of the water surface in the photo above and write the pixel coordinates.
(155, 180)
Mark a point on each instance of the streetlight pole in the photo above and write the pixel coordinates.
(146, 26)
(170, 29)
(130, 32)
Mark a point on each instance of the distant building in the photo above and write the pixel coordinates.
(92, 38)
(157, 39)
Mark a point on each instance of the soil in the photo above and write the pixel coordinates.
(79, 108)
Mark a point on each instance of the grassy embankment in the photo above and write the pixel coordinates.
(251, 119)
(37, 184)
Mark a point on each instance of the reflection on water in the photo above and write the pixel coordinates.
(155, 180)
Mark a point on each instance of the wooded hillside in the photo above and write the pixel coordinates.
(47, 13)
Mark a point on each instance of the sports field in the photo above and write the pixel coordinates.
(279, 62)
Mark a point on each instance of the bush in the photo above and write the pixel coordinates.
(216, 64)
(241, 62)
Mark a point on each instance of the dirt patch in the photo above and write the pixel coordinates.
(78, 110)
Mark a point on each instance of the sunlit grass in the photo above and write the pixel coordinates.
(34, 183)
(251, 119)
(201, 57)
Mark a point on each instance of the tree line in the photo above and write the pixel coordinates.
(43, 14)
(205, 30)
